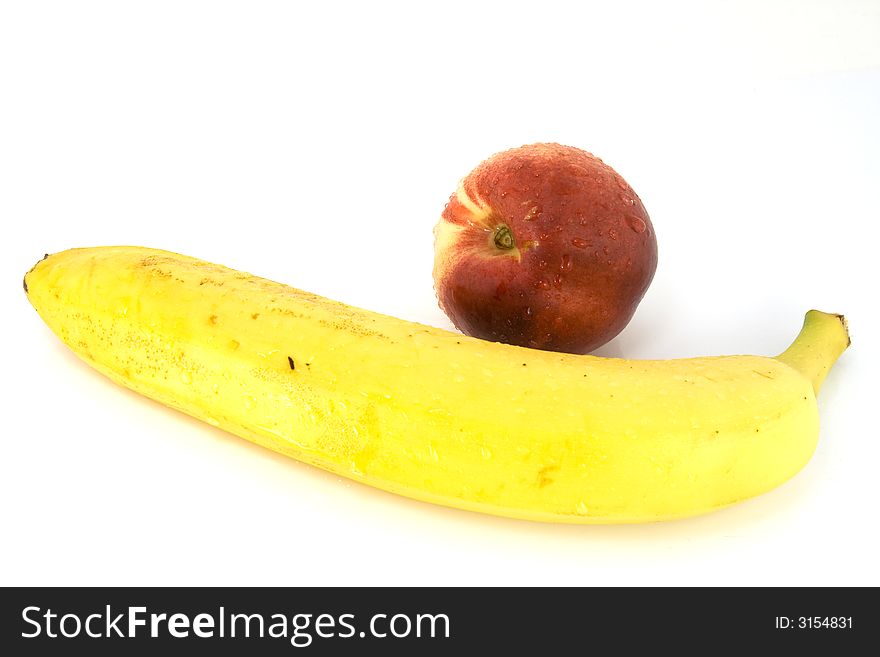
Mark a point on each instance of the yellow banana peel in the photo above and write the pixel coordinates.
(434, 415)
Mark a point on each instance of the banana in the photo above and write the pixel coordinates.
(434, 415)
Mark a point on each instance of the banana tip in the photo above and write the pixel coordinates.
(840, 318)
(845, 325)
(24, 279)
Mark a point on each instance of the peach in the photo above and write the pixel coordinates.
(543, 246)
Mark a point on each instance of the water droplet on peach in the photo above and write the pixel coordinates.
(541, 284)
(636, 223)
(579, 243)
(533, 213)
(567, 262)
(612, 233)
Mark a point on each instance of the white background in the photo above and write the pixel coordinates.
(315, 144)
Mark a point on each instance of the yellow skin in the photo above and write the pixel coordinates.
(435, 415)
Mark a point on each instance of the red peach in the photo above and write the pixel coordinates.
(543, 246)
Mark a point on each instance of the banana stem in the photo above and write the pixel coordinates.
(822, 339)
